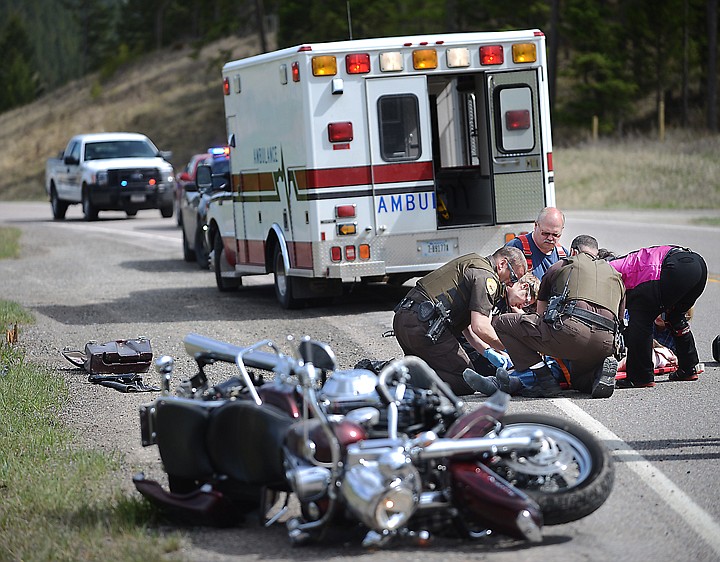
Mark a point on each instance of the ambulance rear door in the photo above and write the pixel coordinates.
(401, 155)
(517, 154)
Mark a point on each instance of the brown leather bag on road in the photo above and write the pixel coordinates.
(116, 357)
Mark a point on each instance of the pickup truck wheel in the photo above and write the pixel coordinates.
(89, 210)
(283, 282)
(220, 264)
(201, 252)
(131, 212)
(59, 208)
(188, 252)
(166, 212)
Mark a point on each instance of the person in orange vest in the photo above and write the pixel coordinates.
(542, 246)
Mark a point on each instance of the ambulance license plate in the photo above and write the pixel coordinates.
(437, 248)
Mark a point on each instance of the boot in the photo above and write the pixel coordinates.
(484, 385)
(604, 382)
(546, 386)
(508, 383)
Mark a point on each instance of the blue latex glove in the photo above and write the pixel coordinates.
(496, 358)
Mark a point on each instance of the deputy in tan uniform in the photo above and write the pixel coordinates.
(456, 299)
(579, 303)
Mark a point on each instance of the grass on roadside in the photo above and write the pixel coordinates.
(9, 242)
(640, 173)
(55, 503)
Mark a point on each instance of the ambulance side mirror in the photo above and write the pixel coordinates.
(203, 177)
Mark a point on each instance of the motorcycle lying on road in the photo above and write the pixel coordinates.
(395, 454)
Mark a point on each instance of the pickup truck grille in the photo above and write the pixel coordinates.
(137, 178)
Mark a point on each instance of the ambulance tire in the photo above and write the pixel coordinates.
(283, 283)
(224, 284)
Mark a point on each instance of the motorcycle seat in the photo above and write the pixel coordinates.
(245, 442)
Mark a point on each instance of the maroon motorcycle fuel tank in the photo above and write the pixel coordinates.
(346, 432)
(283, 396)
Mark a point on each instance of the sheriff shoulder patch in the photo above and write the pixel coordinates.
(491, 286)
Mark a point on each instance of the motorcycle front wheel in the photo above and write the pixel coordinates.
(570, 477)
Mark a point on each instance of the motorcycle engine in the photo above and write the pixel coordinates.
(355, 388)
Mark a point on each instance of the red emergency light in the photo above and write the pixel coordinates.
(340, 132)
(295, 69)
(226, 86)
(357, 63)
(517, 120)
(491, 55)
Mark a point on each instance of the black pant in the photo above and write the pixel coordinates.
(682, 280)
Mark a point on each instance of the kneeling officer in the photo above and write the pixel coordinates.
(457, 298)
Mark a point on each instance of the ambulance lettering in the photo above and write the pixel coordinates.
(265, 155)
(408, 202)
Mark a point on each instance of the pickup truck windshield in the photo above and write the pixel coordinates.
(119, 149)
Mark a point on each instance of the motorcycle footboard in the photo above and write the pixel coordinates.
(200, 507)
(490, 502)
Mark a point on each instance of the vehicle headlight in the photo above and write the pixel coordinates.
(101, 178)
(383, 494)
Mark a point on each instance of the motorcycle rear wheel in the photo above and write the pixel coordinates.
(570, 478)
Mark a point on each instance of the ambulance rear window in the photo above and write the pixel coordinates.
(399, 120)
(515, 119)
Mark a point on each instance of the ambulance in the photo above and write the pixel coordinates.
(380, 159)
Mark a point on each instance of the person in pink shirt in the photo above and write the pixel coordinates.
(660, 279)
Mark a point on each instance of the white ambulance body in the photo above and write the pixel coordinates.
(380, 159)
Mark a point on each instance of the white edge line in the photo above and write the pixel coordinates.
(696, 517)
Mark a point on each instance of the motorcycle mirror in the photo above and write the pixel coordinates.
(317, 353)
(164, 367)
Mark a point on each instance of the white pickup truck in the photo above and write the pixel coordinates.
(110, 172)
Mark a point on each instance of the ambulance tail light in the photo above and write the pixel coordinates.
(491, 55)
(350, 253)
(325, 65)
(340, 132)
(425, 59)
(364, 251)
(336, 253)
(357, 63)
(345, 211)
(549, 162)
(347, 229)
(517, 120)
(295, 70)
(524, 52)
(226, 86)
(509, 236)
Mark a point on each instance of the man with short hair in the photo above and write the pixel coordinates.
(584, 243)
(467, 289)
(542, 247)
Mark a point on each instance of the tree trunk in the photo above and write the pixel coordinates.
(711, 107)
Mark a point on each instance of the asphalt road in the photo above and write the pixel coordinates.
(121, 277)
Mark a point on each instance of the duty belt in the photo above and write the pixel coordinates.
(588, 316)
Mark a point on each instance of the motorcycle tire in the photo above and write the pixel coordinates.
(545, 477)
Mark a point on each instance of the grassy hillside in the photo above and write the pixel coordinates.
(175, 97)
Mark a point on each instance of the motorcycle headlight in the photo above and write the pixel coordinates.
(383, 493)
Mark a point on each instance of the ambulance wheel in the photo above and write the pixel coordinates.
(221, 264)
(283, 282)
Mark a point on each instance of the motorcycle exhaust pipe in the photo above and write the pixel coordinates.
(451, 447)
